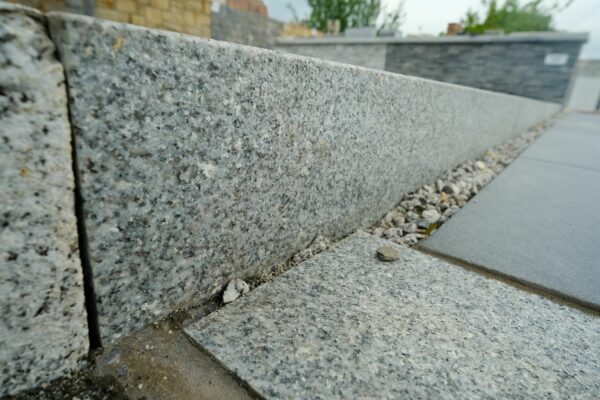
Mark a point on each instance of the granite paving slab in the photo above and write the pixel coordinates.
(538, 223)
(344, 325)
(43, 332)
(203, 161)
(574, 140)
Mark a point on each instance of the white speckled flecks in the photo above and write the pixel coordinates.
(203, 161)
(43, 331)
(344, 325)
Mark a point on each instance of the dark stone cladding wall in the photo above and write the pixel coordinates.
(514, 68)
(244, 28)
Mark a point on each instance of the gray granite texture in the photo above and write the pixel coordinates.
(344, 325)
(203, 161)
(42, 320)
(537, 223)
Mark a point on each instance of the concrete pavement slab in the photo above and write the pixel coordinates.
(538, 223)
(574, 140)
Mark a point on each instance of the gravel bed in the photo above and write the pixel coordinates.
(421, 212)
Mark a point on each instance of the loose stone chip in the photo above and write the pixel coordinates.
(235, 289)
(387, 253)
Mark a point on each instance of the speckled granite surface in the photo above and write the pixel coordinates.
(42, 320)
(202, 160)
(346, 325)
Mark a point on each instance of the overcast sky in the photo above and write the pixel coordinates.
(432, 16)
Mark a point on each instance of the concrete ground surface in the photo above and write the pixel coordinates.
(538, 221)
(160, 362)
(157, 362)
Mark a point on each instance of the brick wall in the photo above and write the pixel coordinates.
(185, 16)
(252, 6)
(298, 30)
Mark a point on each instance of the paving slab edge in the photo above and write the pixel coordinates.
(522, 284)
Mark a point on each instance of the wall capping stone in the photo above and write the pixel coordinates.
(517, 37)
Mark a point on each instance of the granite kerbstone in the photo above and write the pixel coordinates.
(574, 140)
(346, 325)
(203, 161)
(538, 223)
(42, 319)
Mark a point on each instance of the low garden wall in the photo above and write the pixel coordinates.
(535, 65)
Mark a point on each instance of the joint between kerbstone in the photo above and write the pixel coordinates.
(94, 335)
(44, 336)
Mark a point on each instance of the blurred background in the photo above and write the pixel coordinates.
(547, 50)
(433, 16)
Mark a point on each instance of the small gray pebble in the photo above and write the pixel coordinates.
(387, 253)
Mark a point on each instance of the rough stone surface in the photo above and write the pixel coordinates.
(537, 222)
(42, 320)
(387, 253)
(345, 325)
(235, 289)
(318, 245)
(203, 161)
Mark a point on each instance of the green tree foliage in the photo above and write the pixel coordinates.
(350, 13)
(512, 16)
(392, 20)
(365, 13)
